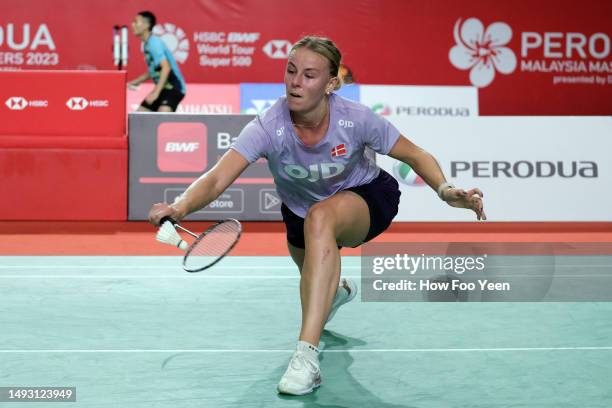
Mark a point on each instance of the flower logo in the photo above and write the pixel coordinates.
(482, 51)
(175, 40)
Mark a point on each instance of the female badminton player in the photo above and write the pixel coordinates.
(333, 193)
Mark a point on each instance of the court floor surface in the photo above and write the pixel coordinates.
(137, 331)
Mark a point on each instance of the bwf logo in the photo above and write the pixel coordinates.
(175, 147)
(181, 147)
(482, 51)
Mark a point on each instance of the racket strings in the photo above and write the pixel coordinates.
(212, 245)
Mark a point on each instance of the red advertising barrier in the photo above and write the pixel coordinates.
(86, 182)
(63, 146)
(63, 103)
(549, 57)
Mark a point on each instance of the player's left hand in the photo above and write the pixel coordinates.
(471, 199)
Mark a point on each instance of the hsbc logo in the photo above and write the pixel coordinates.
(277, 49)
(16, 103)
(20, 103)
(182, 147)
(78, 103)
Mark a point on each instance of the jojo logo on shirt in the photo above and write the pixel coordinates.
(314, 172)
(343, 123)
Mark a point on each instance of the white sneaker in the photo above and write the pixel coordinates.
(342, 296)
(303, 374)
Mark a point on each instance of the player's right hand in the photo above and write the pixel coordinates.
(161, 210)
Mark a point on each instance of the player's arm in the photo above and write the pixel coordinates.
(420, 160)
(426, 166)
(139, 80)
(204, 190)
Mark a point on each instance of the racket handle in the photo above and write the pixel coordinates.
(166, 218)
(176, 225)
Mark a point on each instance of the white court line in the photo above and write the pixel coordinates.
(261, 267)
(34, 267)
(404, 350)
(179, 275)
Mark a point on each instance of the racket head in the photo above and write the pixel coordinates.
(212, 245)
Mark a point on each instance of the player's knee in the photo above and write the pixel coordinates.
(319, 220)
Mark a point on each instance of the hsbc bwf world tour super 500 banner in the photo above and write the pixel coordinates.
(551, 57)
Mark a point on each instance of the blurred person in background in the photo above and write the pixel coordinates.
(170, 86)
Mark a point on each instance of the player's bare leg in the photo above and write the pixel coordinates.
(343, 219)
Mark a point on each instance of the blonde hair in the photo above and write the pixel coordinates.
(325, 48)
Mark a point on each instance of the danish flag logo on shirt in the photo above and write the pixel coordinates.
(339, 150)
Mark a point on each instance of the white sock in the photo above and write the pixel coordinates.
(311, 351)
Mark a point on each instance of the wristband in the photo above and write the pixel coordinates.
(443, 187)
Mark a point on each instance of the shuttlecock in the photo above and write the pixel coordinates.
(168, 235)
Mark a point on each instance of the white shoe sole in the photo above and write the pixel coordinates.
(288, 391)
(353, 287)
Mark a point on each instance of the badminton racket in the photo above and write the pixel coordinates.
(207, 248)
